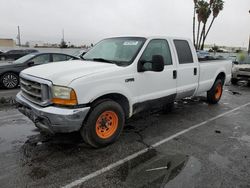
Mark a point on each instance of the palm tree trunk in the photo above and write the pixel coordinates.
(210, 27)
(201, 36)
(198, 34)
(205, 35)
(194, 28)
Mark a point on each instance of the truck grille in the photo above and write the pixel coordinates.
(245, 69)
(35, 90)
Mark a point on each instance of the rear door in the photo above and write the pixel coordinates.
(187, 69)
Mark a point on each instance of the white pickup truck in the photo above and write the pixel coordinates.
(118, 78)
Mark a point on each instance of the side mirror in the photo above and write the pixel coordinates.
(156, 65)
(235, 62)
(31, 63)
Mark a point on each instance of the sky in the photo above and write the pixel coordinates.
(88, 21)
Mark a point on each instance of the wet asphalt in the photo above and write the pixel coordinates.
(216, 154)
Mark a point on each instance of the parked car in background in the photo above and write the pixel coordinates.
(241, 71)
(203, 55)
(9, 72)
(80, 53)
(16, 54)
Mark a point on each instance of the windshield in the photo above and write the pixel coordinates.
(24, 59)
(78, 53)
(121, 51)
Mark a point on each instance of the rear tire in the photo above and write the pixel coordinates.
(215, 93)
(234, 81)
(9, 80)
(104, 124)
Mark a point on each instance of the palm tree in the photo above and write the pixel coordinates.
(216, 6)
(195, 2)
(203, 11)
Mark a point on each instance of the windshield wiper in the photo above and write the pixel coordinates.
(104, 60)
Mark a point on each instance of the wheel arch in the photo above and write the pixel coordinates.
(221, 76)
(10, 71)
(117, 97)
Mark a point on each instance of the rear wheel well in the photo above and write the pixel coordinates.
(222, 77)
(119, 98)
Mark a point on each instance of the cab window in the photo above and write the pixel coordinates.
(183, 51)
(157, 47)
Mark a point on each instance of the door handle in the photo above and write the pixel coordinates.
(195, 71)
(174, 74)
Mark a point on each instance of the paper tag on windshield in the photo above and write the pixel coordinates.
(130, 43)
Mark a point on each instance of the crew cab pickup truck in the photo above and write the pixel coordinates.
(118, 78)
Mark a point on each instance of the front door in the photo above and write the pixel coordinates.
(156, 86)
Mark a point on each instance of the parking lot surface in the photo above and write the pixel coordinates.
(196, 145)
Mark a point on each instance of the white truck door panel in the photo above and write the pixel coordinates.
(187, 69)
(154, 85)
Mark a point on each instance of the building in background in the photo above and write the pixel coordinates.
(7, 43)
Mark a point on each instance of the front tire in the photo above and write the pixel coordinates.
(9, 80)
(215, 93)
(104, 124)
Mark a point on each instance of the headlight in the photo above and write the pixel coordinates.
(63, 95)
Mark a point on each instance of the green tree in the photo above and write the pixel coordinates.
(203, 12)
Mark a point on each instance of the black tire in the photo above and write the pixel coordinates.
(248, 83)
(234, 81)
(99, 123)
(9, 80)
(215, 93)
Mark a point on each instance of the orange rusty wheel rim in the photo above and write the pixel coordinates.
(106, 124)
(218, 91)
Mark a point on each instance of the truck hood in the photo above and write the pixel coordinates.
(63, 73)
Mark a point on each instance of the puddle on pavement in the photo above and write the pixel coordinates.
(233, 92)
(56, 142)
(157, 170)
(15, 134)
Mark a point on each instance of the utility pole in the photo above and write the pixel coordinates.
(249, 41)
(18, 36)
(249, 46)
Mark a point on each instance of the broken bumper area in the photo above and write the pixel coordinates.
(52, 119)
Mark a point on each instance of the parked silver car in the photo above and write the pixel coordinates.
(241, 71)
